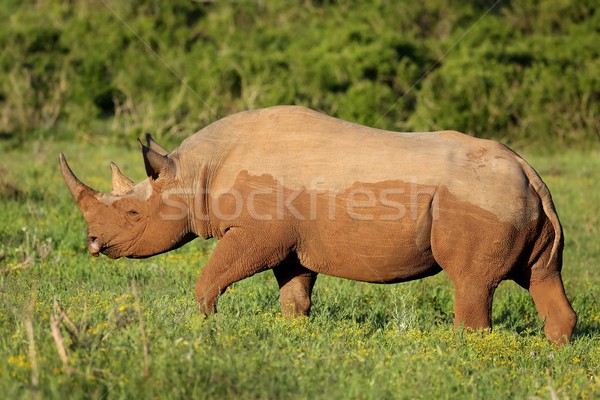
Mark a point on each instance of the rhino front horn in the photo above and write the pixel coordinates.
(76, 187)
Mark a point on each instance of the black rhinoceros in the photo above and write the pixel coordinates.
(293, 190)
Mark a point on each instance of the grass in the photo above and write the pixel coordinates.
(362, 340)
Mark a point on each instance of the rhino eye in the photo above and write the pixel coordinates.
(133, 213)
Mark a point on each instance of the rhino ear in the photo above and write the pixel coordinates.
(120, 183)
(156, 164)
(155, 146)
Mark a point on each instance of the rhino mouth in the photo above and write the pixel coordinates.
(95, 247)
(110, 253)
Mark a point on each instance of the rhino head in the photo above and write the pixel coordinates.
(135, 221)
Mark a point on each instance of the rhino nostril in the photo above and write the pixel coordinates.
(94, 245)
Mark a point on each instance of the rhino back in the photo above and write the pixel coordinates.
(306, 150)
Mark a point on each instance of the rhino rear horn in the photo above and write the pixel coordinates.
(155, 163)
(78, 189)
(155, 146)
(120, 183)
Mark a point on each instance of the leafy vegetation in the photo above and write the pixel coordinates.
(526, 71)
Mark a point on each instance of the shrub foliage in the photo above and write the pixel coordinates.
(521, 70)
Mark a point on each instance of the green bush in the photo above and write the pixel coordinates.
(517, 86)
(525, 71)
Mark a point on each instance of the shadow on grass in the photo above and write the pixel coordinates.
(586, 328)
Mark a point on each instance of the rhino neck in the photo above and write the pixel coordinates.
(195, 179)
(200, 220)
(201, 157)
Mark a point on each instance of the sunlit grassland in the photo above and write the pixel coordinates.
(362, 340)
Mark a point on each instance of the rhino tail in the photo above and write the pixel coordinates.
(541, 189)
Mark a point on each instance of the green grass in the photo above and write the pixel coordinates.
(362, 340)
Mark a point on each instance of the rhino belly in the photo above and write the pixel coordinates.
(382, 241)
(376, 267)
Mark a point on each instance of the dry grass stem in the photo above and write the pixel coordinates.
(70, 325)
(60, 343)
(35, 381)
(22, 265)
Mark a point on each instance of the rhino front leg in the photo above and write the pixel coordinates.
(295, 287)
(239, 254)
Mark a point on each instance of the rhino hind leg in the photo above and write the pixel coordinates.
(473, 305)
(553, 307)
(295, 287)
(542, 278)
(551, 302)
